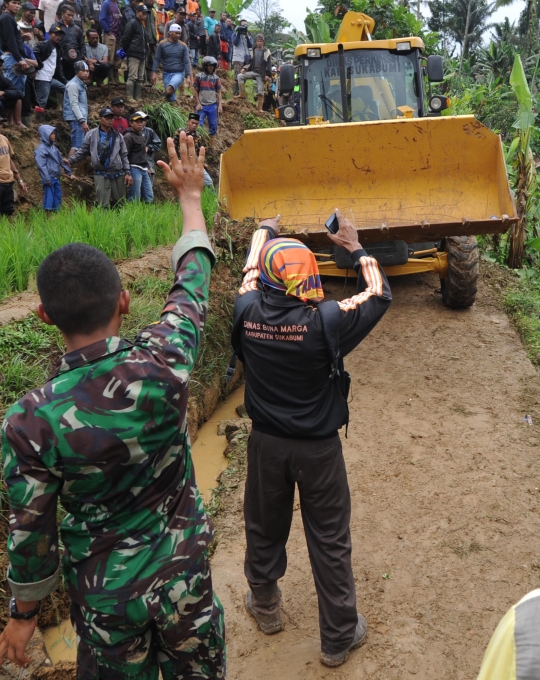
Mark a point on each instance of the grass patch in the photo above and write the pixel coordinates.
(125, 232)
(522, 303)
(260, 122)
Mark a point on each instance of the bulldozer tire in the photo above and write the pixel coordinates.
(459, 287)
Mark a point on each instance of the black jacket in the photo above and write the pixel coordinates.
(10, 37)
(213, 46)
(43, 51)
(286, 358)
(134, 39)
(193, 35)
(136, 148)
(72, 45)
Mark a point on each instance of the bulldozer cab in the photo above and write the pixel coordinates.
(376, 84)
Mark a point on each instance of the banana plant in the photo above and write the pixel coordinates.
(232, 7)
(317, 28)
(521, 157)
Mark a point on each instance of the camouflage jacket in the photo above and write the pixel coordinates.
(107, 436)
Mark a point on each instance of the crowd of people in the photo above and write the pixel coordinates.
(52, 50)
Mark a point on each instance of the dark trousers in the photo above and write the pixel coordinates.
(7, 199)
(275, 465)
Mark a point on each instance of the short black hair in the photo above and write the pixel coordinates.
(66, 8)
(79, 287)
(92, 30)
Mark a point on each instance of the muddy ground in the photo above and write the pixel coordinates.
(445, 495)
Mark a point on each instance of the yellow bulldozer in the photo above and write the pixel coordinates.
(363, 133)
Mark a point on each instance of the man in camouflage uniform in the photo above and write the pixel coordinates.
(192, 130)
(107, 436)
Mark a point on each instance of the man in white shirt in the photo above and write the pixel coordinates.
(47, 13)
(49, 74)
(97, 58)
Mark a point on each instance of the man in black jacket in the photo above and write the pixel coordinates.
(138, 159)
(135, 43)
(72, 45)
(297, 402)
(50, 74)
(12, 46)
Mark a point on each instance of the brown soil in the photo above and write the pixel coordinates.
(445, 500)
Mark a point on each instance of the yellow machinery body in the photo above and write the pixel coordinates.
(417, 179)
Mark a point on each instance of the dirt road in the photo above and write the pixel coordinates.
(444, 483)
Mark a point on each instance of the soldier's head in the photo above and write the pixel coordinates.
(81, 292)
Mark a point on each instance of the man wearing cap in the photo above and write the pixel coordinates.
(201, 32)
(259, 68)
(12, 45)
(97, 58)
(135, 43)
(110, 17)
(173, 56)
(50, 74)
(179, 20)
(192, 130)
(29, 18)
(109, 158)
(76, 105)
(194, 39)
(210, 23)
(72, 45)
(296, 396)
(141, 188)
(120, 122)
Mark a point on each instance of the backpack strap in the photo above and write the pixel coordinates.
(330, 315)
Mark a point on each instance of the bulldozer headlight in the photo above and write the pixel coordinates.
(314, 53)
(439, 103)
(403, 46)
(286, 113)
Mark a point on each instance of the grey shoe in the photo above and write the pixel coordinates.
(360, 635)
(269, 623)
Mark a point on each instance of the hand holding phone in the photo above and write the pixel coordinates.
(332, 224)
(345, 234)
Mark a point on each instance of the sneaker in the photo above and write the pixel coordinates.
(360, 635)
(268, 623)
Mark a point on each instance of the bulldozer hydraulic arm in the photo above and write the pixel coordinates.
(437, 264)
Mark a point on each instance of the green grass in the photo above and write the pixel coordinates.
(126, 232)
(522, 303)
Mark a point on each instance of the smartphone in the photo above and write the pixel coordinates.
(332, 224)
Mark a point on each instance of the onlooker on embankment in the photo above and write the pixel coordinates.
(8, 173)
(153, 145)
(15, 64)
(192, 130)
(108, 155)
(50, 164)
(97, 58)
(9, 94)
(76, 105)
(135, 43)
(141, 188)
(110, 19)
(120, 122)
(259, 68)
(173, 57)
(207, 90)
(72, 45)
(50, 74)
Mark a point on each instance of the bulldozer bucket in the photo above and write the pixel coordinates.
(418, 179)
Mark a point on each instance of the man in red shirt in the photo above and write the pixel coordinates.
(120, 122)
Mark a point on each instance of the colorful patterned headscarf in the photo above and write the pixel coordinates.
(287, 264)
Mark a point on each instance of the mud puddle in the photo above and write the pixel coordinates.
(207, 451)
(61, 642)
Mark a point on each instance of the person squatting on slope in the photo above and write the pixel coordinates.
(50, 164)
(107, 436)
(297, 400)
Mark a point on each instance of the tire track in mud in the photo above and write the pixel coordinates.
(444, 483)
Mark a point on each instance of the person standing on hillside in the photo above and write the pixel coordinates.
(207, 90)
(50, 75)
(259, 68)
(72, 45)
(135, 43)
(8, 174)
(153, 145)
(173, 56)
(50, 164)
(109, 158)
(141, 187)
(107, 437)
(192, 130)
(76, 105)
(12, 45)
(110, 19)
(179, 20)
(296, 396)
(242, 44)
(120, 122)
(152, 36)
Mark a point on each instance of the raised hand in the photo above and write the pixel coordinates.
(186, 176)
